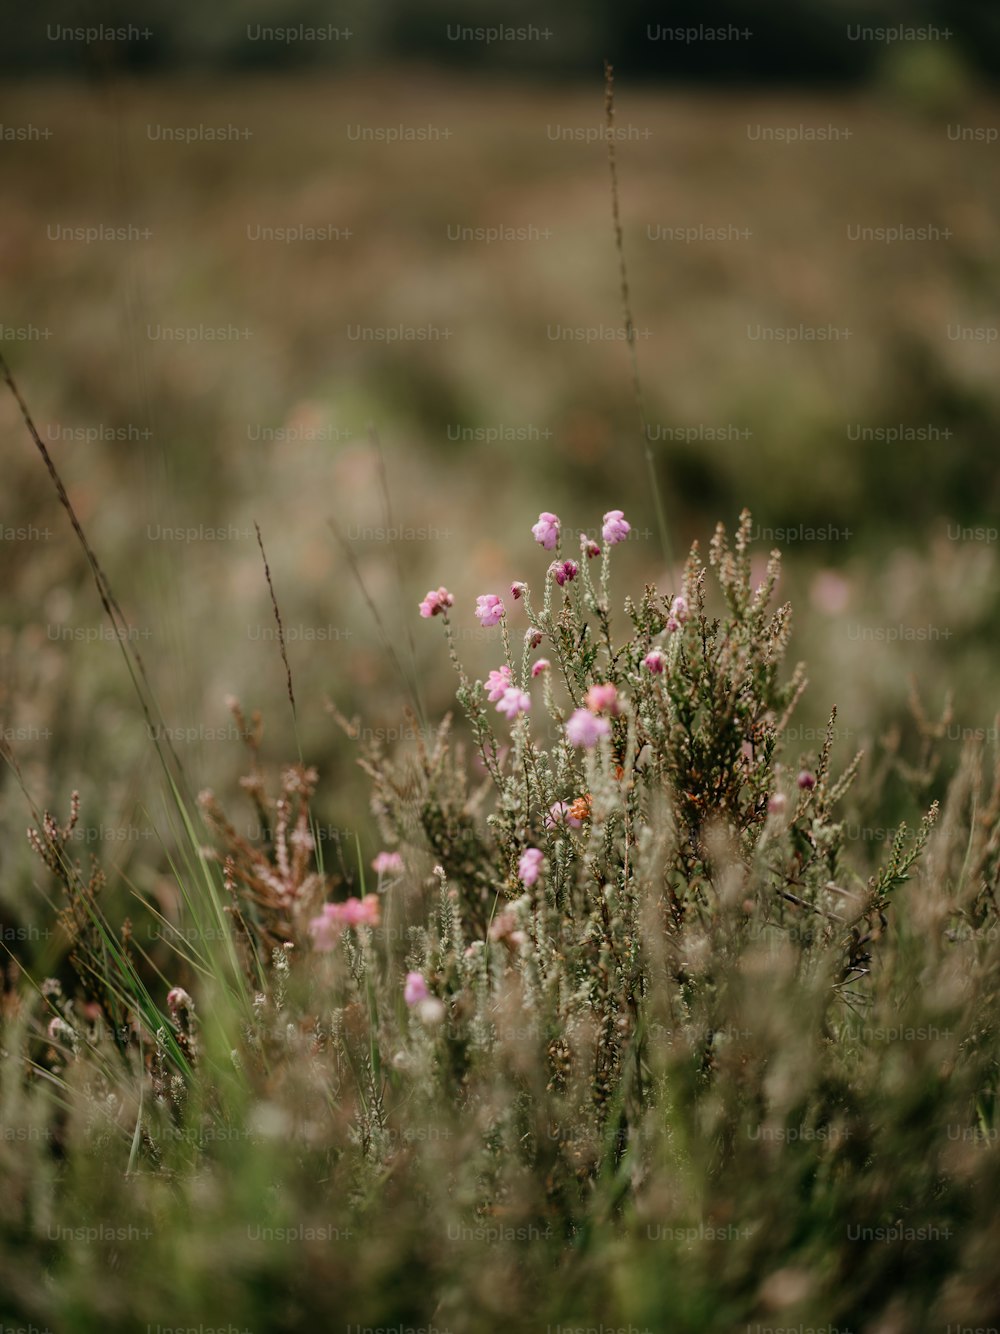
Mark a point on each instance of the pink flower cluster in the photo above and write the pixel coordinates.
(387, 863)
(678, 613)
(585, 729)
(564, 571)
(546, 530)
(436, 602)
(655, 661)
(529, 868)
(513, 703)
(334, 917)
(416, 989)
(602, 699)
(497, 682)
(510, 700)
(616, 527)
(489, 609)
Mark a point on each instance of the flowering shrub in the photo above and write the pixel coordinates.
(646, 834)
(675, 729)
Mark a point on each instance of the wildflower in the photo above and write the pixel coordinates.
(178, 999)
(514, 703)
(533, 638)
(678, 612)
(489, 609)
(546, 530)
(58, 1029)
(387, 862)
(415, 989)
(436, 602)
(586, 729)
(560, 812)
(530, 866)
(563, 571)
(497, 682)
(616, 527)
(776, 803)
(602, 699)
(359, 912)
(518, 589)
(655, 661)
(542, 665)
(806, 780)
(589, 547)
(326, 928)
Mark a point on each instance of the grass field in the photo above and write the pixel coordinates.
(394, 407)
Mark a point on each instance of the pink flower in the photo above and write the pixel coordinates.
(561, 812)
(327, 927)
(546, 530)
(616, 527)
(586, 729)
(178, 999)
(529, 868)
(806, 780)
(655, 661)
(562, 571)
(678, 612)
(777, 803)
(513, 703)
(387, 862)
(489, 609)
(533, 638)
(415, 989)
(436, 602)
(360, 912)
(518, 589)
(542, 665)
(497, 682)
(589, 547)
(602, 699)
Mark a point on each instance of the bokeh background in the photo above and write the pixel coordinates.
(197, 368)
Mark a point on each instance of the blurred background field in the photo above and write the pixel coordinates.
(885, 439)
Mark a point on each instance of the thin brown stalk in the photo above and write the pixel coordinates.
(119, 621)
(277, 617)
(609, 112)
